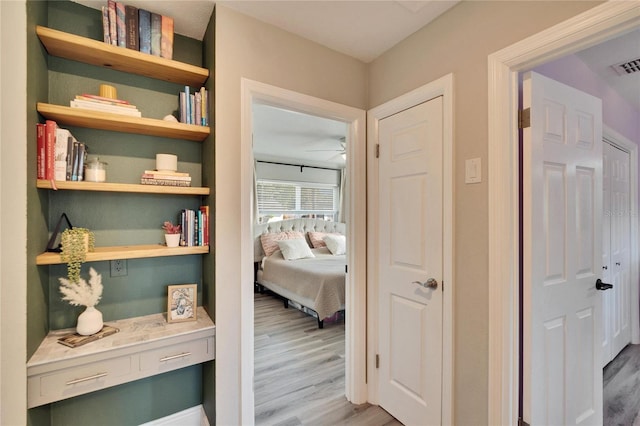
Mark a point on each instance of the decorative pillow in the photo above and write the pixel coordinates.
(270, 241)
(316, 238)
(295, 249)
(337, 244)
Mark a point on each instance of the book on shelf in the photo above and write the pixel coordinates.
(79, 152)
(144, 30)
(166, 37)
(121, 28)
(102, 107)
(60, 154)
(41, 150)
(166, 177)
(193, 106)
(50, 142)
(113, 32)
(165, 172)
(156, 33)
(194, 226)
(105, 25)
(90, 97)
(131, 24)
(69, 166)
(164, 182)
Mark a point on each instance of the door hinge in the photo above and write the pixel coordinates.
(522, 422)
(377, 361)
(346, 269)
(524, 118)
(377, 150)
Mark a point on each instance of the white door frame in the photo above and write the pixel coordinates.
(441, 87)
(616, 139)
(587, 29)
(355, 362)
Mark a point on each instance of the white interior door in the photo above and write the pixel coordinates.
(562, 255)
(616, 244)
(411, 263)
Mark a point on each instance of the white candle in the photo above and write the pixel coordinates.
(95, 175)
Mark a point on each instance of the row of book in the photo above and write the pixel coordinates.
(194, 106)
(165, 178)
(102, 104)
(59, 155)
(137, 29)
(195, 226)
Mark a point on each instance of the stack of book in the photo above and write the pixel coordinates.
(195, 227)
(99, 103)
(59, 155)
(194, 106)
(137, 29)
(165, 178)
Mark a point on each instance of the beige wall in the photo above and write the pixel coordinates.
(459, 42)
(249, 48)
(13, 216)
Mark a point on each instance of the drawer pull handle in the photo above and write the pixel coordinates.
(84, 379)
(169, 358)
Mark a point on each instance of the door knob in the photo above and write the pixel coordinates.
(430, 283)
(603, 286)
(605, 267)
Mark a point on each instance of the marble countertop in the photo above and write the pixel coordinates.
(133, 331)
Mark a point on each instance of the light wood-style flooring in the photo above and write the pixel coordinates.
(299, 371)
(621, 379)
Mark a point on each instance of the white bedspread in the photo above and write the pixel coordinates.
(319, 280)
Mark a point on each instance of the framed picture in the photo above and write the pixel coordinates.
(182, 302)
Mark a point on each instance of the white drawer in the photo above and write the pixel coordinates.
(74, 381)
(176, 356)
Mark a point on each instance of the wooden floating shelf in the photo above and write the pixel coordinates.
(122, 123)
(94, 52)
(123, 187)
(126, 252)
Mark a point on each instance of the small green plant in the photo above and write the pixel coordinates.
(76, 242)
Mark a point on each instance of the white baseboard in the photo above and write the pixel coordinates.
(194, 416)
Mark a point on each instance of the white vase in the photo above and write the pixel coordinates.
(89, 321)
(173, 240)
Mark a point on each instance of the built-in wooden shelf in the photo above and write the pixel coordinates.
(122, 123)
(126, 252)
(122, 187)
(94, 52)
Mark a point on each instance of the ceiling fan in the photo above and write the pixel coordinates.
(341, 151)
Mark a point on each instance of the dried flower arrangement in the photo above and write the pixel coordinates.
(80, 292)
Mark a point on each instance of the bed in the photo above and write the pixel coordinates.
(315, 283)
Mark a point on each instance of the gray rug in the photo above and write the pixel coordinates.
(621, 379)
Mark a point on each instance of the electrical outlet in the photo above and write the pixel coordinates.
(119, 268)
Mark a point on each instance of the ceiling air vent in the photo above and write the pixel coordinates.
(628, 67)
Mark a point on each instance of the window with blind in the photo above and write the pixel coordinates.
(296, 199)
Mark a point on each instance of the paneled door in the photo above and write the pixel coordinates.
(562, 255)
(616, 252)
(411, 263)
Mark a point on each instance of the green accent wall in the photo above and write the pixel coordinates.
(116, 219)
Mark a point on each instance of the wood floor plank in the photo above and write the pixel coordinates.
(299, 371)
(621, 394)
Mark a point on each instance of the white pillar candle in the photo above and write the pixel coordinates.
(167, 162)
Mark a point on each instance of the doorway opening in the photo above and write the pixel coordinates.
(594, 26)
(252, 93)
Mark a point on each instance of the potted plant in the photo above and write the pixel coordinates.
(172, 234)
(76, 242)
(81, 293)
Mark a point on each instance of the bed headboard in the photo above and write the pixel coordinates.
(301, 225)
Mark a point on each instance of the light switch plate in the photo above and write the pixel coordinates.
(473, 171)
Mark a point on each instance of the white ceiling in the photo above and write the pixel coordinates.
(364, 30)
